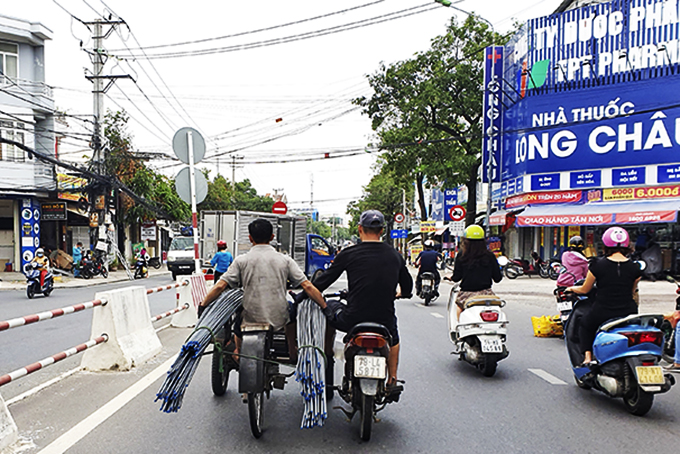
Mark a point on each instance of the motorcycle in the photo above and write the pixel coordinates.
(364, 383)
(428, 289)
(91, 266)
(479, 336)
(155, 262)
(554, 268)
(141, 269)
(520, 267)
(32, 272)
(627, 351)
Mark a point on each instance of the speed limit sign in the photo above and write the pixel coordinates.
(399, 218)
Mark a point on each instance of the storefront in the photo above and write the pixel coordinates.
(590, 136)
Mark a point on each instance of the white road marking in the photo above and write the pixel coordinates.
(436, 315)
(87, 425)
(547, 377)
(32, 391)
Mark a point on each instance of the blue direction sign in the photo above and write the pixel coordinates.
(399, 233)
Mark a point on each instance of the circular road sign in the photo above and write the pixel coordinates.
(457, 213)
(399, 218)
(279, 208)
(183, 186)
(180, 145)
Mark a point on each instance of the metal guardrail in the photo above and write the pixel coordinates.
(28, 319)
(4, 379)
(169, 313)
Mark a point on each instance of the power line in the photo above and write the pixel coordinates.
(298, 37)
(197, 41)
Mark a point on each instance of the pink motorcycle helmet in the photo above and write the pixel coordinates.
(616, 237)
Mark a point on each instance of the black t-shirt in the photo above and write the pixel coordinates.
(373, 271)
(476, 276)
(614, 282)
(428, 261)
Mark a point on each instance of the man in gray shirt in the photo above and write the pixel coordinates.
(263, 273)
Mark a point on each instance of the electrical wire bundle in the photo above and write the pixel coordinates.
(311, 365)
(183, 369)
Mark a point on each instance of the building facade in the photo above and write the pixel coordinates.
(26, 117)
(590, 127)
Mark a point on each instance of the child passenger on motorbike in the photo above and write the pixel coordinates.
(574, 262)
(475, 267)
(617, 278)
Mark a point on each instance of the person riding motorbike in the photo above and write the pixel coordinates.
(43, 263)
(374, 269)
(262, 273)
(617, 278)
(475, 267)
(574, 262)
(427, 262)
(221, 260)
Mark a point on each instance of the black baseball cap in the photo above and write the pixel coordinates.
(372, 219)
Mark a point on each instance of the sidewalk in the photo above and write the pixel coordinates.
(17, 281)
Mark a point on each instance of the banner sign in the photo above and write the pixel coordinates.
(437, 205)
(68, 183)
(427, 226)
(53, 211)
(562, 220)
(450, 200)
(589, 91)
(640, 193)
(493, 112)
(497, 218)
(536, 198)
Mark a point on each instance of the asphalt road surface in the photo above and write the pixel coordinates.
(531, 405)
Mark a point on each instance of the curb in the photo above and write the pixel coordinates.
(79, 283)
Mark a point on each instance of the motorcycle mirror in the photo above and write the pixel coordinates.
(642, 264)
(502, 260)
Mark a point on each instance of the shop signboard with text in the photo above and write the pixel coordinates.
(540, 198)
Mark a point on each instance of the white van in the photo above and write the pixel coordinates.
(181, 256)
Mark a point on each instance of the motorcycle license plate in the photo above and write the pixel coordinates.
(564, 306)
(649, 375)
(370, 367)
(492, 346)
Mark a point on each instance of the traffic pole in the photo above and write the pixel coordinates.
(192, 184)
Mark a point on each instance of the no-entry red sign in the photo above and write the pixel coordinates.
(279, 208)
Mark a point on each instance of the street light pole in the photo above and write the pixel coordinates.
(490, 161)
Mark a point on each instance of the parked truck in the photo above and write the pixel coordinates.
(311, 252)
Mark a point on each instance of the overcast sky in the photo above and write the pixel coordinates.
(234, 95)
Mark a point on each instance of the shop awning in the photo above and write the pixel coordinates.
(600, 214)
(498, 218)
(441, 230)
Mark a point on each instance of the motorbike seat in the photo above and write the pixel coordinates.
(484, 300)
(368, 327)
(427, 275)
(647, 320)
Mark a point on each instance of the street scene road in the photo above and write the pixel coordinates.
(531, 405)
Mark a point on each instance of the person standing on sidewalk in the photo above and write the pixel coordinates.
(221, 260)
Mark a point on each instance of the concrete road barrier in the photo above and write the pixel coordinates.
(189, 317)
(9, 434)
(127, 321)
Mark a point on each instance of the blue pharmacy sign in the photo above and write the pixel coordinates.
(591, 97)
(493, 112)
(399, 233)
(450, 201)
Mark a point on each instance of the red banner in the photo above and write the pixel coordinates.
(497, 219)
(564, 219)
(646, 216)
(536, 198)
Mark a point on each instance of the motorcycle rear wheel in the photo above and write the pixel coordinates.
(553, 273)
(105, 272)
(638, 402)
(256, 413)
(543, 271)
(366, 417)
(86, 273)
(48, 291)
(488, 366)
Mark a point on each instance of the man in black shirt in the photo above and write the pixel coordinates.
(427, 263)
(373, 271)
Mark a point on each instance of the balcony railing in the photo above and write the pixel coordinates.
(39, 92)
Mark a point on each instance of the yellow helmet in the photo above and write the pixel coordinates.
(474, 232)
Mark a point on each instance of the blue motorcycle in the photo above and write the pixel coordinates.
(628, 351)
(32, 272)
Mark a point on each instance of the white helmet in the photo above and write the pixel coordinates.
(429, 243)
(39, 252)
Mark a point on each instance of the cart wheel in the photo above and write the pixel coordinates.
(256, 413)
(220, 380)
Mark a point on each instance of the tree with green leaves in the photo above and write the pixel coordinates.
(148, 184)
(222, 196)
(320, 228)
(427, 111)
(382, 193)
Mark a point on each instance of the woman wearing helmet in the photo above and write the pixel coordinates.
(574, 262)
(617, 278)
(427, 263)
(221, 260)
(475, 267)
(43, 263)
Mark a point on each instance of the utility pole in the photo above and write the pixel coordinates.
(311, 191)
(99, 196)
(234, 158)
